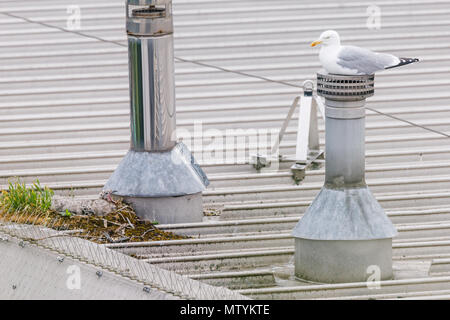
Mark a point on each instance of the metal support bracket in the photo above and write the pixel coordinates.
(307, 147)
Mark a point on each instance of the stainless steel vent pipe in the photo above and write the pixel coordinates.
(158, 176)
(345, 235)
(151, 74)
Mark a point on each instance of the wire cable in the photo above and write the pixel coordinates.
(203, 64)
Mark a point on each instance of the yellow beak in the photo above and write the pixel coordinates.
(315, 43)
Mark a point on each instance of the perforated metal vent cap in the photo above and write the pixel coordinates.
(345, 88)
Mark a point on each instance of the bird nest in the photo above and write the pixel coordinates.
(21, 204)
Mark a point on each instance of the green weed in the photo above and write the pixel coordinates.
(20, 198)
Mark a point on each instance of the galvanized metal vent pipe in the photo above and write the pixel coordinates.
(158, 176)
(345, 235)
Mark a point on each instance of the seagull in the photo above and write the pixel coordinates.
(351, 60)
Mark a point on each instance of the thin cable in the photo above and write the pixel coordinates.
(62, 29)
(239, 72)
(124, 45)
(214, 67)
(409, 122)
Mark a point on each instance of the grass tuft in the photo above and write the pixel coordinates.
(20, 198)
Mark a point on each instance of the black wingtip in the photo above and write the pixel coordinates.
(404, 61)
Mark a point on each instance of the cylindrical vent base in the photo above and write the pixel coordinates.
(334, 261)
(169, 210)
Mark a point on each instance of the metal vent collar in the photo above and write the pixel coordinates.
(345, 88)
(149, 17)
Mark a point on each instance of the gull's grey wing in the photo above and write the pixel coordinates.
(363, 60)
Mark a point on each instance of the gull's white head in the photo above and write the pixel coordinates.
(327, 38)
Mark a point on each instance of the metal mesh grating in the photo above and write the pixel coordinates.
(345, 88)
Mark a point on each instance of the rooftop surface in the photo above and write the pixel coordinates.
(64, 118)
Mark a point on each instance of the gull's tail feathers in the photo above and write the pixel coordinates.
(403, 61)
